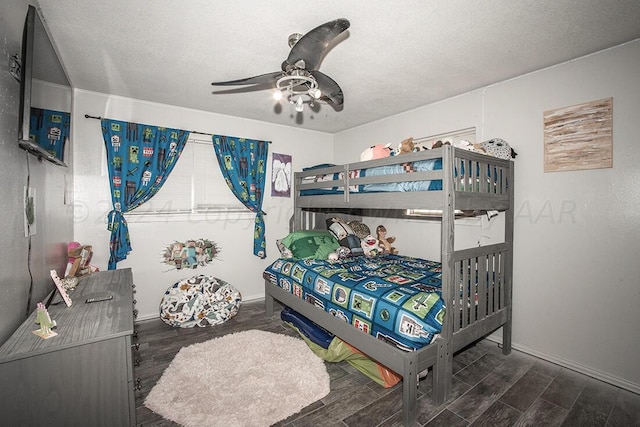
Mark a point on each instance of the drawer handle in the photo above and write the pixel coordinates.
(138, 385)
(135, 314)
(137, 361)
(136, 346)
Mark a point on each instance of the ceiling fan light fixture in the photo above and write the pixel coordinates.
(295, 84)
(299, 81)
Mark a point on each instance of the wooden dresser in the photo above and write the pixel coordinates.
(84, 375)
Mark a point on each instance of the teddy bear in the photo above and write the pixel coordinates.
(384, 241)
(370, 246)
(406, 146)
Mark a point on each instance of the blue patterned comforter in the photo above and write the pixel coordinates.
(394, 298)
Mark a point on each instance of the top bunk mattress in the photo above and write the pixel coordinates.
(394, 298)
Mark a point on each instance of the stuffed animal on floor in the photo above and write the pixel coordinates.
(370, 246)
(384, 241)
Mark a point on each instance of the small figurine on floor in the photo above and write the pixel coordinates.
(45, 322)
(384, 241)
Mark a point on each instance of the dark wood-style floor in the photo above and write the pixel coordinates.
(489, 388)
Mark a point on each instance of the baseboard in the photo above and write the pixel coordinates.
(602, 376)
(150, 316)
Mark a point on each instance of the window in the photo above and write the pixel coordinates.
(195, 185)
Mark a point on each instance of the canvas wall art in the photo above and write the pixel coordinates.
(579, 137)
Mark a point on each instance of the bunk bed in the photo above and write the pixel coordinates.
(476, 283)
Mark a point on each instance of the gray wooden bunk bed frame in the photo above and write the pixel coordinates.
(488, 267)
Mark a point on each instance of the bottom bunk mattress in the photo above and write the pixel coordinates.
(394, 298)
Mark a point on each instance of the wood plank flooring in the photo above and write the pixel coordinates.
(489, 388)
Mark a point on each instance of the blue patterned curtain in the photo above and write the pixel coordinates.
(243, 163)
(140, 158)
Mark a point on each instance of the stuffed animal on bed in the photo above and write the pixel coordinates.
(384, 241)
(406, 146)
(370, 246)
(498, 147)
(341, 253)
(378, 151)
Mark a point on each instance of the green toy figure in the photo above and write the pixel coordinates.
(45, 322)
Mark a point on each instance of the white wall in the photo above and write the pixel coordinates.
(577, 234)
(237, 264)
(25, 262)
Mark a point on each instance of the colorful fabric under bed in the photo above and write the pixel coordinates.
(394, 298)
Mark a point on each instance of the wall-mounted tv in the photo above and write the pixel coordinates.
(45, 95)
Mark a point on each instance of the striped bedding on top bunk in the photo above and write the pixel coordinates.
(394, 298)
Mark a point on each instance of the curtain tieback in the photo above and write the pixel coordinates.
(114, 218)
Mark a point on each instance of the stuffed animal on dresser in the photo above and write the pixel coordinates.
(385, 242)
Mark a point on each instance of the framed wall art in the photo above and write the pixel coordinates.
(281, 175)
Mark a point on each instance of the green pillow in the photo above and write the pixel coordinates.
(311, 244)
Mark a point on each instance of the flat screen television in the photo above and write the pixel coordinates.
(45, 95)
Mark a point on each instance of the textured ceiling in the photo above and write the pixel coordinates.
(395, 56)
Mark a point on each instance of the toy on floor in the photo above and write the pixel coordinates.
(199, 301)
(384, 241)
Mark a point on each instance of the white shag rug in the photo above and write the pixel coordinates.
(250, 378)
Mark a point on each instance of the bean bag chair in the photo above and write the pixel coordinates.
(199, 301)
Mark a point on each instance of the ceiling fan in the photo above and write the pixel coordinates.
(299, 76)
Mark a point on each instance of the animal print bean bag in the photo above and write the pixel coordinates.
(199, 301)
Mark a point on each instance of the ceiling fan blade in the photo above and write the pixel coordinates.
(255, 80)
(329, 88)
(312, 45)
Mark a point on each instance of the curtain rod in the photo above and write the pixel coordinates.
(87, 116)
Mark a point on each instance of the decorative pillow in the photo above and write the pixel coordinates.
(285, 252)
(310, 244)
(345, 235)
(360, 229)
